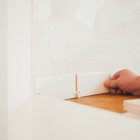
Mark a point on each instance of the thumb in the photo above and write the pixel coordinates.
(110, 83)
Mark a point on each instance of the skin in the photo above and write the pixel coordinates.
(124, 82)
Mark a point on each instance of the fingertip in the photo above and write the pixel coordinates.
(106, 83)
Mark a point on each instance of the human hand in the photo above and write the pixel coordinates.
(124, 82)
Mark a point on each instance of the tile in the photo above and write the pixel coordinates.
(128, 114)
(59, 86)
(132, 106)
(92, 83)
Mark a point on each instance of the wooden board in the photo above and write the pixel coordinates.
(105, 101)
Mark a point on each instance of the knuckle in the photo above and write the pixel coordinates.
(125, 70)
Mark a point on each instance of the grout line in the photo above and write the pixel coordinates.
(76, 82)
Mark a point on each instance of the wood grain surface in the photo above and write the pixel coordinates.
(105, 101)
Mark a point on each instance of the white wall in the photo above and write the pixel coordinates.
(19, 70)
(87, 36)
(15, 70)
(3, 70)
(71, 37)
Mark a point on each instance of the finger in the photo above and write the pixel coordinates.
(120, 91)
(115, 76)
(111, 83)
(124, 92)
(136, 93)
(114, 91)
(117, 92)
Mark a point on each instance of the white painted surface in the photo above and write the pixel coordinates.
(86, 12)
(128, 114)
(60, 86)
(3, 70)
(66, 43)
(66, 86)
(62, 120)
(19, 71)
(92, 83)
(45, 8)
(132, 110)
(113, 13)
(134, 102)
(132, 106)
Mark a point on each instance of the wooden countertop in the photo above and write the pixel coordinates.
(105, 101)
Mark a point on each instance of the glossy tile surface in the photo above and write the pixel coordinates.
(59, 86)
(92, 83)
